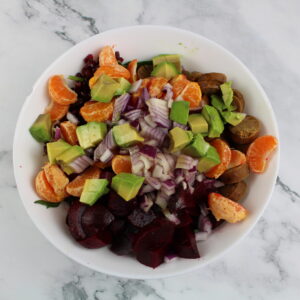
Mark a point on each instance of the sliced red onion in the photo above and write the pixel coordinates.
(162, 200)
(153, 133)
(148, 162)
(218, 184)
(80, 163)
(158, 173)
(135, 124)
(147, 188)
(159, 111)
(123, 151)
(133, 114)
(204, 224)
(57, 133)
(175, 124)
(184, 185)
(146, 203)
(135, 86)
(162, 161)
(119, 106)
(151, 143)
(203, 210)
(121, 121)
(107, 143)
(171, 160)
(153, 182)
(149, 151)
(201, 236)
(170, 103)
(184, 162)
(190, 177)
(106, 156)
(168, 187)
(171, 217)
(169, 91)
(145, 94)
(150, 121)
(72, 118)
(200, 177)
(170, 258)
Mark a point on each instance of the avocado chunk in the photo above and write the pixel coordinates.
(217, 103)
(104, 89)
(171, 58)
(93, 189)
(165, 69)
(198, 123)
(214, 120)
(41, 128)
(233, 118)
(54, 149)
(198, 147)
(90, 134)
(180, 112)
(124, 86)
(210, 160)
(179, 139)
(227, 93)
(125, 135)
(127, 185)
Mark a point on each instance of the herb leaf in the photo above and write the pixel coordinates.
(75, 78)
(47, 204)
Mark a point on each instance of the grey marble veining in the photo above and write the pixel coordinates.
(265, 35)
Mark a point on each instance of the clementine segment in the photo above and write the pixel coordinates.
(259, 152)
(191, 93)
(237, 158)
(121, 163)
(60, 92)
(113, 71)
(102, 165)
(225, 156)
(132, 69)
(56, 110)
(135, 96)
(75, 187)
(179, 83)
(68, 131)
(107, 57)
(156, 86)
(93, 111)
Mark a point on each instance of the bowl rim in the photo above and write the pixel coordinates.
(197, 266)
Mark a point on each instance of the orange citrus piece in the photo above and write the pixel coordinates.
(107, 57)
(60, 92)
(57, 179)
(225, 156)
(93, 111)
(237, 158)
(259, 152)
(44, 189)
(121, 163)
(156, 86)
(56, 110)
(132, 69)
(113, 71)
(68, 131)
(75, 187)
(179, 83)
(102, 165)
(135, 96)
(191, 93)
(226, 209)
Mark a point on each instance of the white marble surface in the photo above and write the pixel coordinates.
(265, 35)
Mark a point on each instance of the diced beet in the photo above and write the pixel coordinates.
(118, 206)
(97, 240)
(74, 218)
(151, 257)
(214, 221)
(155, 235)
(140, 219)
(95, 219)
(184, 243)
(203, 188)
(117, 226)
(185, 218)
(188, 199)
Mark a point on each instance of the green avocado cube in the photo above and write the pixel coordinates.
(214, 120)
(171, 58)
(180, 112)
(54, 149)
(217, 103)
(127, 185)
(233, 118)
(93, 189)
(210, 160)
(197, 148)
(165, 69)
(179, 138)
(104, 89)
(125, 135)
(124, 86)
(198, 123)
(90, 134)
(227, 93)
(41, 128)
(69, 155)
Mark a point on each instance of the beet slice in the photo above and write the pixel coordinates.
(97, 240)
(151, 257)
(140, 219)
(153, 236)
(184, 243)
(96, 218)
(74, 218)
(185, 218)
(118, 206)
(117, 226)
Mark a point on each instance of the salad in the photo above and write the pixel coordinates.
(149, 157)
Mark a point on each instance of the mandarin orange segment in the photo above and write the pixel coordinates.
(225, 156)
(107, 57)
(93, 111)
(60, 92)
(121, 163)
(68, 131)
(226, 209)
(156, 86)
(135, 96)
(237, 158)
(57, 179)
(132, 69)
(260, 151)
(75, 187)
(43, 188)
(102, 165)
(191, 93)
(113, 71)
(179, 83)
(56, 110)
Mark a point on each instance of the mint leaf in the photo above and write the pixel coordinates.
(75, 78)
(47, 204)
(227, 93)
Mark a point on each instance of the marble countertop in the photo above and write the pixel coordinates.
(263, 34)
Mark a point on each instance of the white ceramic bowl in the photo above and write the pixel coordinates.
(142, 42)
